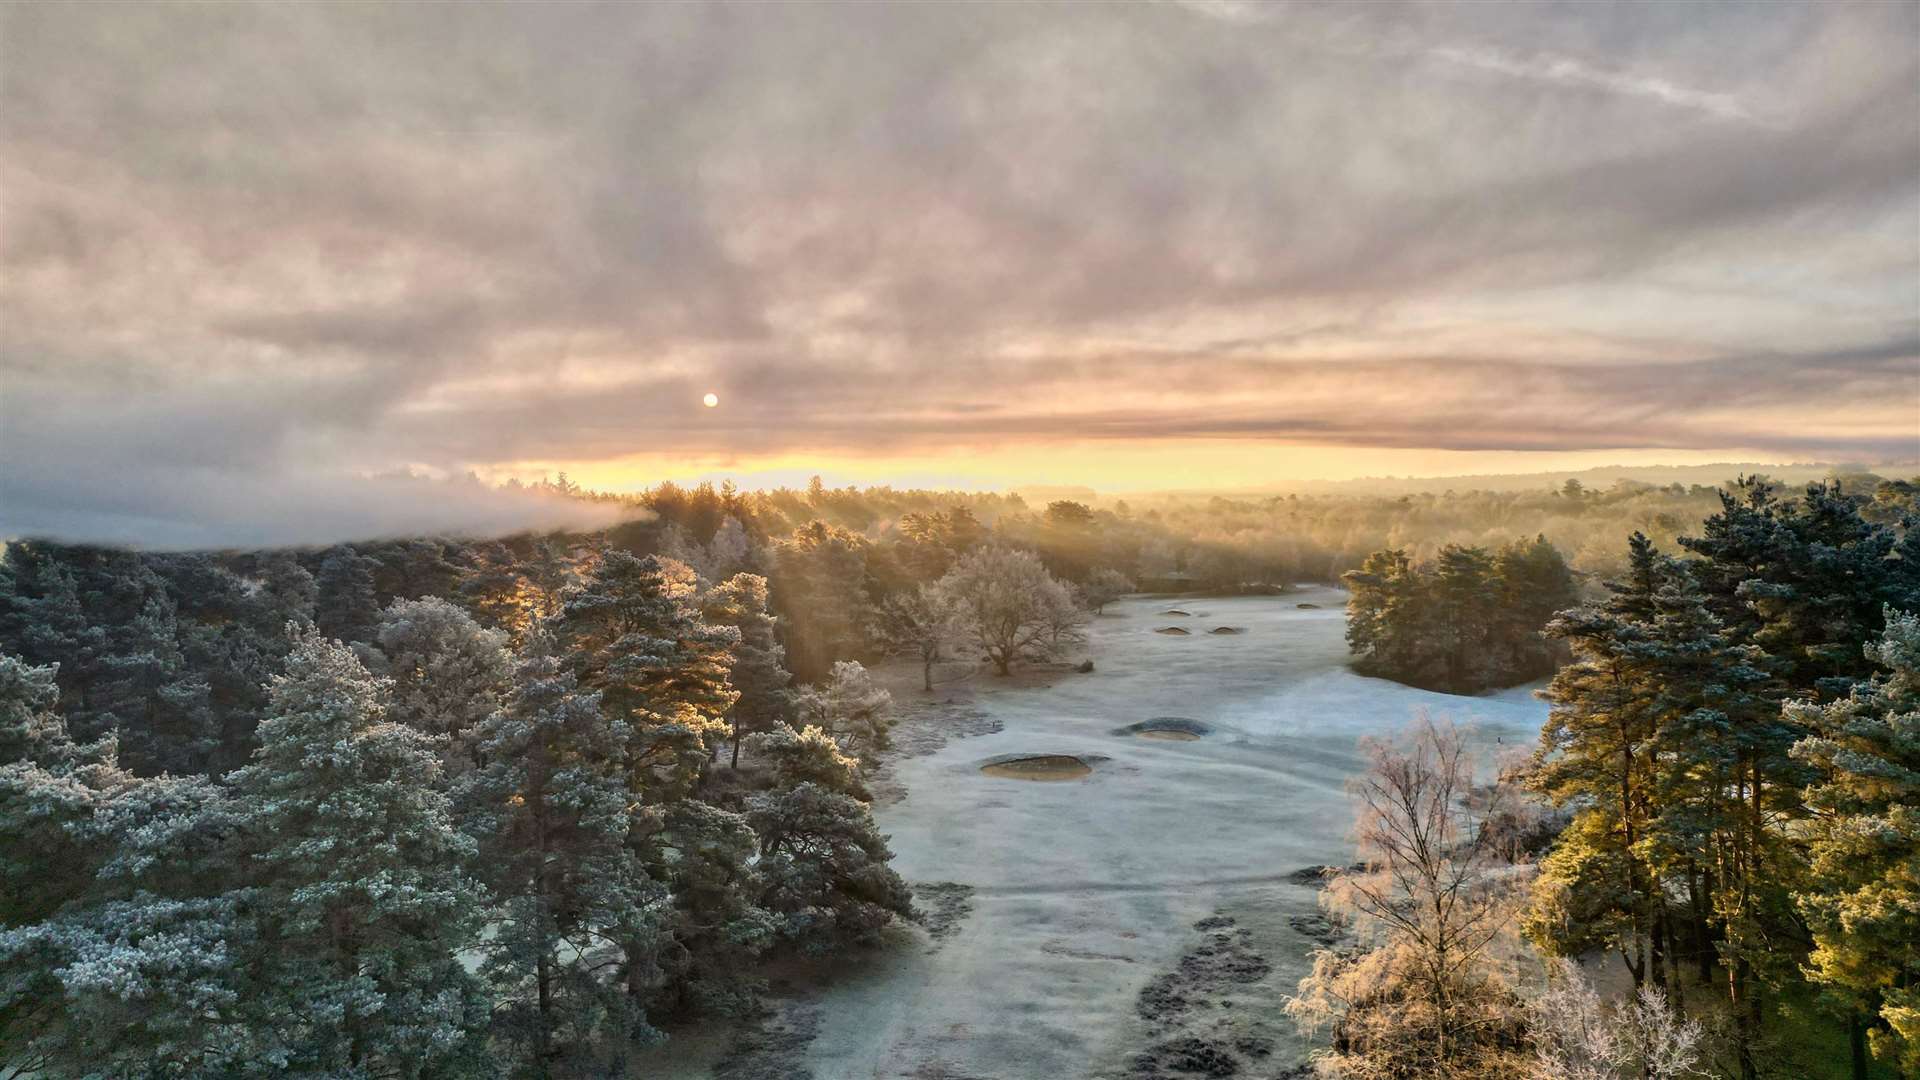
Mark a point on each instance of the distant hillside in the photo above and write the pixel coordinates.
(1600, 478)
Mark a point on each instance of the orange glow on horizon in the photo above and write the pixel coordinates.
(1113, 467)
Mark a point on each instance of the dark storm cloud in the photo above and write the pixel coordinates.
(250, 248)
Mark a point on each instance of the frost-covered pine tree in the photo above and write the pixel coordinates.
(551, 804)
(631, 630)
(360, 880)
(715, 925)
(49, 789)
(118, 946)
(159, 705)
(851, 708)
(822, 859)
(344, 604)
(759, 663)
(449, 673)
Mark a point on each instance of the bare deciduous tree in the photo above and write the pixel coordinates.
(1065, 620)
(1427, 996)
(1011, 606)
(923, 622)
(1576, 1036)
(1103, 587)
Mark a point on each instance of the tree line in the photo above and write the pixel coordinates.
(1217, 543)
(443, 808)
(1731, 773)
(838, 556)
(450, 850)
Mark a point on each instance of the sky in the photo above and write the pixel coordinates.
(253, 254)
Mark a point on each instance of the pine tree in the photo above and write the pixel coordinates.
(551, 804)
(117, 945)
(851, 708)
(361, 885)
(715, 925)
(43, 619)
(759, 671)
(1461, 623)
(822, 592)
(631, 630)
(1382, 612)
(1720, 781)
(1806, 583)
(344, 605)
(161, 708)
(1806, 580)
(1862, 897)
(1463, 600)
(50, 787)
(1597, 754)
(823, 860)
(413, 569)
(1533, 583)
(448, 672)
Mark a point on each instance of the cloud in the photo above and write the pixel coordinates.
(203, 509)
(1568, 71)
(261, 248)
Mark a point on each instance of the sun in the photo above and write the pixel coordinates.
(710, 400)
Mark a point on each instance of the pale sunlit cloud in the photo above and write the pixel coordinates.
(266, 247)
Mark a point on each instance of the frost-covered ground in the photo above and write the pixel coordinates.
(1057, 904)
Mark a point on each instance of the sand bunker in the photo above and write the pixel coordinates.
(1172, 630)
(1039, 767)
(1170, 728)
(1226, 630)
(1177, 612)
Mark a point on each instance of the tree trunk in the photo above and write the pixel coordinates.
(1744, 997)
(542, 1050)
(1673, 964)
(1857, 1043)
(636, 979)
(1697, 886)
(926, 673)
(1658, 957)
(1637, 965)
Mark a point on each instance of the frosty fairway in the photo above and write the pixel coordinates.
(1085, 891)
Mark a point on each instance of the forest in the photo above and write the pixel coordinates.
(433, 807)
(1725, 798)
(1468, 621)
